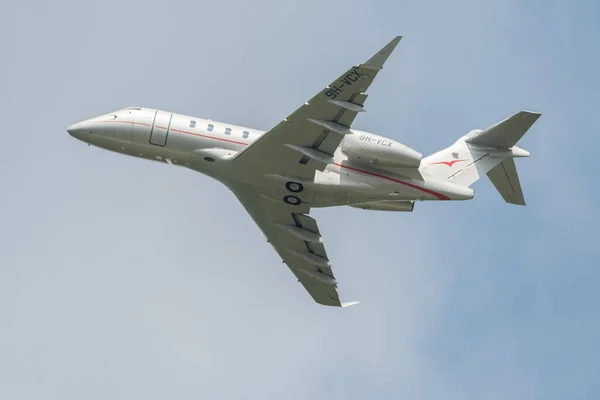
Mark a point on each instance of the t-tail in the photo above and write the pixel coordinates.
(488, 152)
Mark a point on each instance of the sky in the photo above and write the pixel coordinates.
(126, 279)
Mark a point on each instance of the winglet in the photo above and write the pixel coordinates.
(376, 62)
(350, 303)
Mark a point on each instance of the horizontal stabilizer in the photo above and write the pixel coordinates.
(506, 180)
(507, 133)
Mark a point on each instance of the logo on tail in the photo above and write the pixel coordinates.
(448, 163)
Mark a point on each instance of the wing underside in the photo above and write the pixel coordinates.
(295, 236)
(306, 140)
(297, 147)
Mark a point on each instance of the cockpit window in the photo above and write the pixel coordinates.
(210, 127)
(192, 124)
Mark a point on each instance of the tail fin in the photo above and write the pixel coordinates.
(488, 152)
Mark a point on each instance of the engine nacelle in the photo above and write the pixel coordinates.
(387, 205)
(369, 148)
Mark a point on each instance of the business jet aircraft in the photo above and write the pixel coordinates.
(314, 158)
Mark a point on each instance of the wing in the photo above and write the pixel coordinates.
(296, 238)
(307, 139)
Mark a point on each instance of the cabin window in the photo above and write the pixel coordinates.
(246, 134)
(192, 124)
(228, 131)
(210, 127)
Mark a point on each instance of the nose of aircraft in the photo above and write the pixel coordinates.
(76, 130)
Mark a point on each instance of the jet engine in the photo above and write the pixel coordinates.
(369, 148)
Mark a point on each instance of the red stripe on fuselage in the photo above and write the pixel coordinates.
(180, 131)
(422, 189)
(127, 122)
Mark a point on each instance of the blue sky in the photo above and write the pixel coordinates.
(127, 279)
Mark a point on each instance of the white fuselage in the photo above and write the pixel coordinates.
(208, 147)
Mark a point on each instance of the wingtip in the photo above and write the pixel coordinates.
(532, 114)
(377, 61)
(349, 303)
(393, 43)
